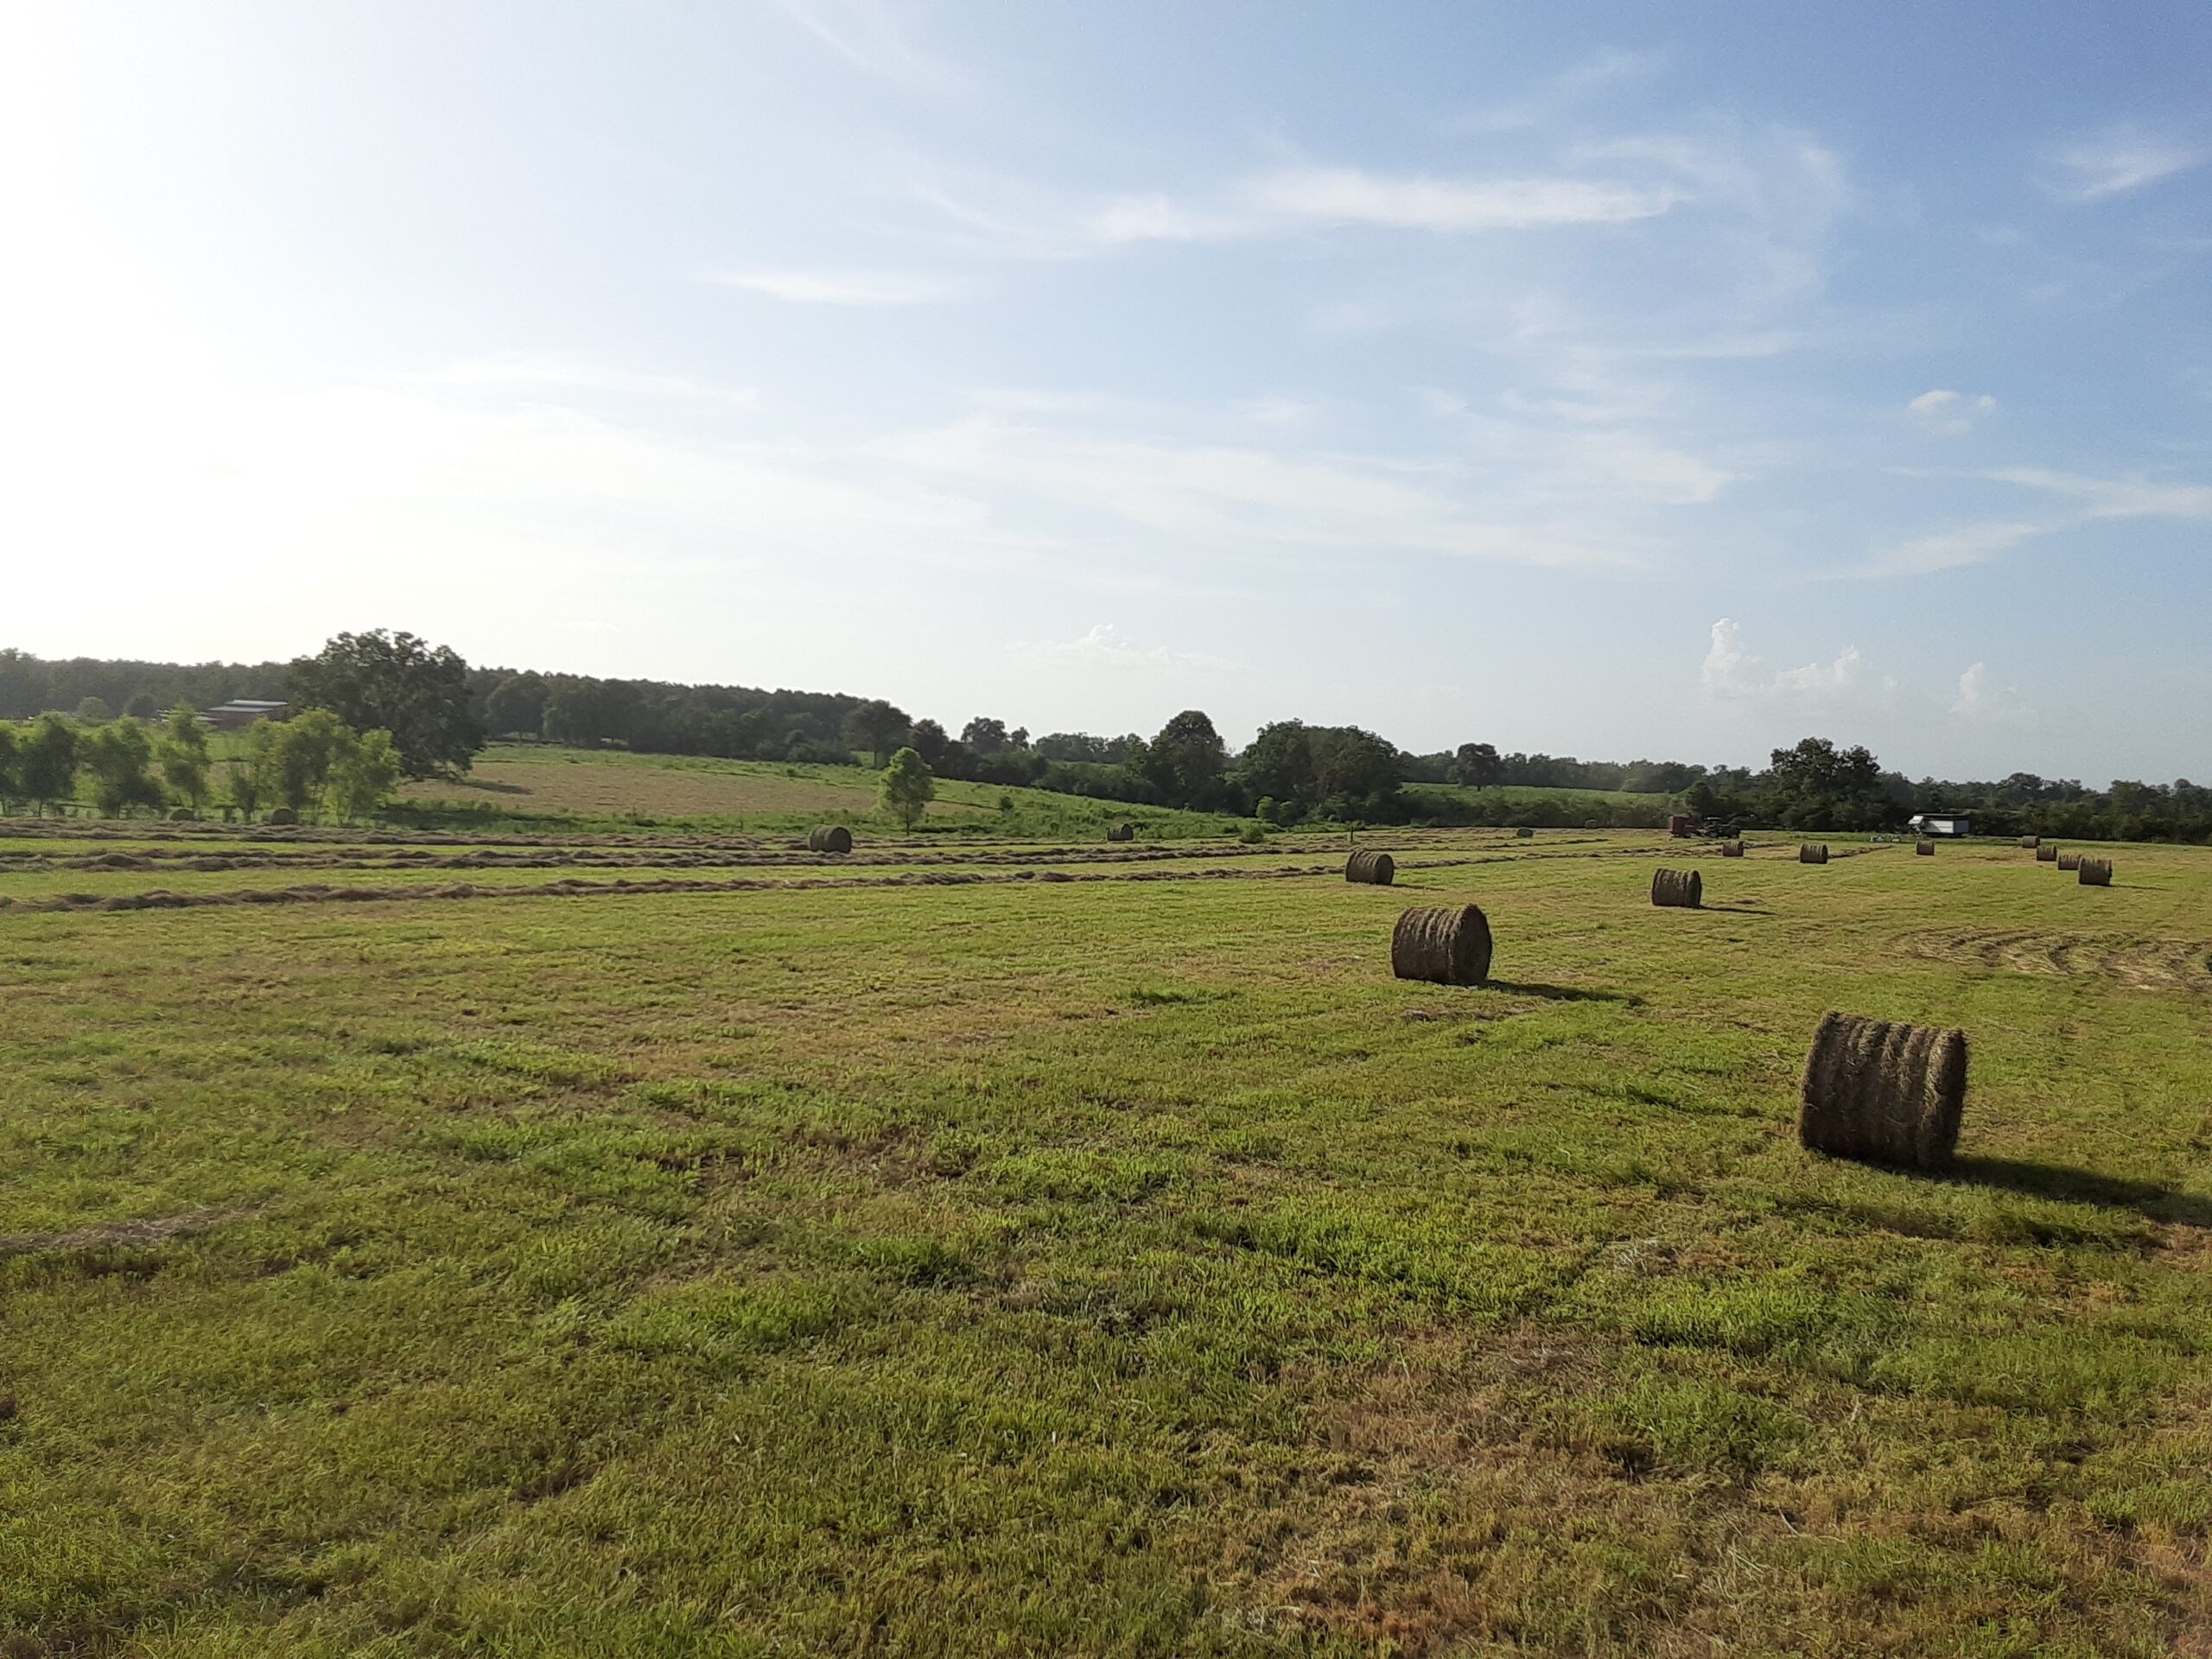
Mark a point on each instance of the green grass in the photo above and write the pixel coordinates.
(1108, 1267)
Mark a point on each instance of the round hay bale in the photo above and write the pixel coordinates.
(2031, 842)
(183, 814)
(1813, 852)
(2095, 872)
(1524, 833)
(2047, 853)
(1732, 848)
(829, 838)
(1592, 823)
(1924, 849)
(2069, 861)
(283, 815)
(1376, 869)
(1446, 945)
(1677, 889)
(1883, 1091)
(1121, 832)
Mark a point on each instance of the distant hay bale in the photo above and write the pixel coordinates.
(2047, 853)
(1677, 889)
(1524, 833)
(1925, 848)
(2069, 861)
(1448, 945)
(283, 815)
(1813, 852)
(1375, 869)
(2095, 872)
(2034, 841)
(829, 838)
(1733, 849)
(1592, 823)
(1883, 1091)
(1121, 832)
(183, 814)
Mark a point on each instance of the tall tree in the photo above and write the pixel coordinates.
(401, 684)
(362, 772)
(1477, 765)
(182, 749)
(878, 727)
(984, 735)
(930, 742)
(118, 756)
(907, 787)
(1184, 763)
(46, 767)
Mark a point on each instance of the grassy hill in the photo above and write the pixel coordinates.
(1523, 804)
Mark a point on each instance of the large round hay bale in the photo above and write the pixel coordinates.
(2069, 861)
(829, 838)
(1376, 869)
(1677, 889)
(1524, 833)
(1447, 946)
(183, 814)
(2095, 872)
(283, 815)
(2047, 853)
(1121, 832)
(1883, 1091)
(1813, 852)
(1732, 848)
(2031, 841)
(1924, 849)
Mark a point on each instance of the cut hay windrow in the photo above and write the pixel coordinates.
(1375, 869)
(1732, 848)
(1121, 832)
(2069, 862)
(1924, 849)
(1883, 1091)
(2031, 842)
(1677, 889)
(1447, 944)
(829, 838)
(2047, 853)
(1813, 852)
(2094, 873)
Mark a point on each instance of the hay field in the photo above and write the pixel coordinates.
(1098, 1265)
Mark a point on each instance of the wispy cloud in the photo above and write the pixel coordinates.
(1982, 699)
(1558, 95)
(864, 34)
(2119, 160)
(1950, 413)
(2116, 498)
(1103, 647)
(1731, 673)
(863, 288)
(1949, 549)
(555, 374)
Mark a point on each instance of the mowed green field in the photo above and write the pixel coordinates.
(1122, 1264)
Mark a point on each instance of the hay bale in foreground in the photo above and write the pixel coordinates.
(1524, 833)
(283, 815)
(1813, 852)
(829, 838)
(1121, 832)
(1924, 849)
(1376, 869)
(1677, 889)
(1883, 1091)
(1733, 849)
(2095, 873)
(2047, 853)
(2069, 861)
(1447, 946)
(2032, 842)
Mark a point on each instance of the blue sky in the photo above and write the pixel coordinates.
(1613, 380)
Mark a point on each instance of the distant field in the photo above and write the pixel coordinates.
(1087, 1249)
(614, 786)
(1613, 806)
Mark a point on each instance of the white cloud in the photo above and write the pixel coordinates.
(2121, 159)
(1731, 673)
(1980, 698)
(2116, 498)
(1950, 412)
(848, 287)
(1948, 549)
(1103, 647)
(1559, 93)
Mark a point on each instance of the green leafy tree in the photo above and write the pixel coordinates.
(246, 777)
(301, 752)
(142, 705)
(363, 771)
(118, 757)
(94, 711)
(516, 704)
(878, 727)
(589, 712)
(931, 741)
(1183, 764)
(45, 765)
(908, 788)
(1477, 765)
(399, 683)
(11, 758)
(983, 735)
(182, 750)
(1279, 765)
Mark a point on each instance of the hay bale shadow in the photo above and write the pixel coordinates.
(2073, 1185)
(1563, 992)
